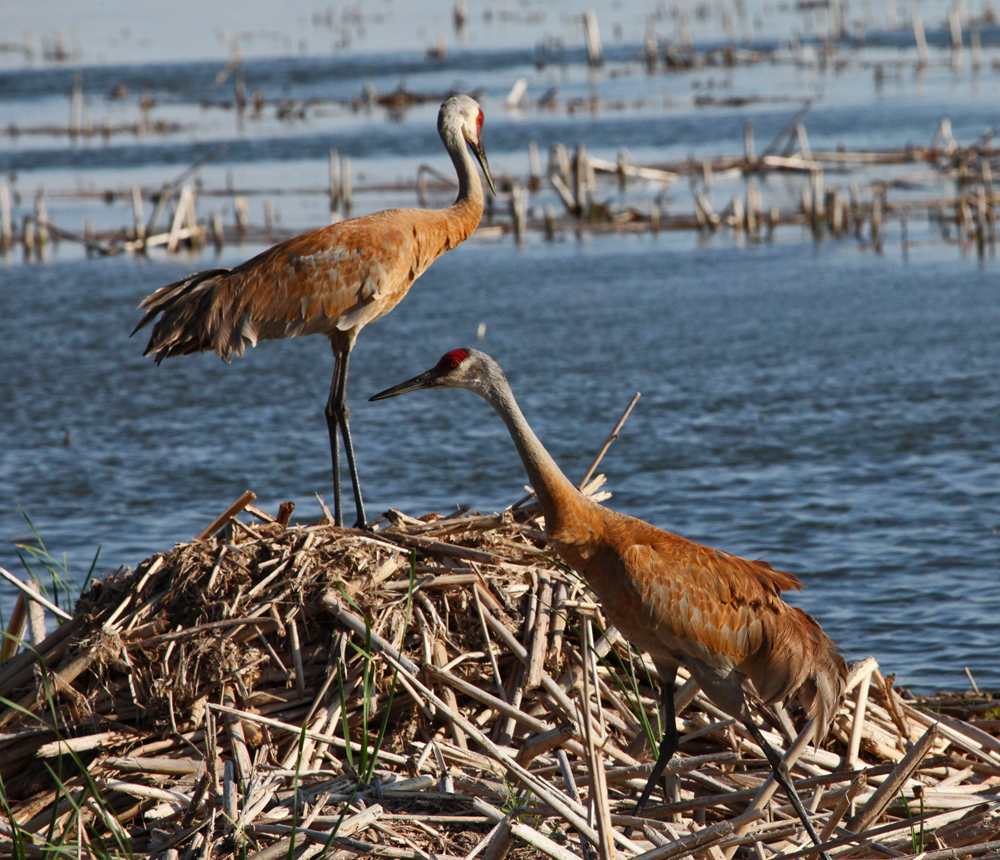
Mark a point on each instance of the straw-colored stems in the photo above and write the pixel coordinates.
(545, 792)
(770, 785)
(858, 784)
(349, 826)
(854, 745)
(15, 629)
(300, 675)
(595, 763)
(237, 738)
(440, 658)
(30, 590)
(885, 793)
(705, 837)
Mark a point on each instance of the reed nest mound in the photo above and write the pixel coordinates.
(437, 687)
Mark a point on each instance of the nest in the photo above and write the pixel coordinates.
(439, 687)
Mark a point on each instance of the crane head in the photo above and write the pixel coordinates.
(454, 370)
(462, 114)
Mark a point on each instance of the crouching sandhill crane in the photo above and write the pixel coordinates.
(332, 281)
(719, 615)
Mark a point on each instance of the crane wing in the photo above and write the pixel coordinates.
(682, 599)
(339, 277)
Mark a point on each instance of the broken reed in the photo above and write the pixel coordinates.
(858, 206)
(438, 687)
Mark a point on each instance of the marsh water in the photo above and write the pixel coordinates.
(826, 406)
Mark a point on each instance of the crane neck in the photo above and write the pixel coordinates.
(469, 202)
(562, 503)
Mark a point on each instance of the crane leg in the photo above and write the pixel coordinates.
(337, 415)
(784, 779)
(668, 743)
(332, 426)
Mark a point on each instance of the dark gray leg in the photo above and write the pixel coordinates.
(784, 779)
(337, 411)
(331, 425)
(670, 739)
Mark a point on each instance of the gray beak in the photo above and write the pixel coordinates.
(425, 380)
(480, 153)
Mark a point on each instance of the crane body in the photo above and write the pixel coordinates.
(332, 281)
(719, 615)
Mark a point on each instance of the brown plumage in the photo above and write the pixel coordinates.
(332, 281)
(717, 614)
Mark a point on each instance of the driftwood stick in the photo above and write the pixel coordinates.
(540, 634)
(542, 843)
(36, 614)
(892, 705)
(789, 128)
(883, 796)
(61, 681)
(858, 785)
(440, 656)
(226, 515)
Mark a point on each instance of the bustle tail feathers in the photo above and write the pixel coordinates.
(799, 659)
(193, 319)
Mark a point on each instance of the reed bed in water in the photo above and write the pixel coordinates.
(438, 687)
(838, 194)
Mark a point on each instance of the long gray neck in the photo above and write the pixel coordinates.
(469, 186)
(553, 488)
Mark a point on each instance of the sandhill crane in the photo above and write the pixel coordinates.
(332, 281)
(719, 615)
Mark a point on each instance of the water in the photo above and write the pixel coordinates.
(824, 407)
(831, 412)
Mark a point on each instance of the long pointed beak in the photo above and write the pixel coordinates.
(425, 380)
(480, 153)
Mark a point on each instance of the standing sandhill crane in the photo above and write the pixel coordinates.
(332, 281)
(719, 615)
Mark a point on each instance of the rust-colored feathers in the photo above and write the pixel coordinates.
(332, 281)
(688, 603)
